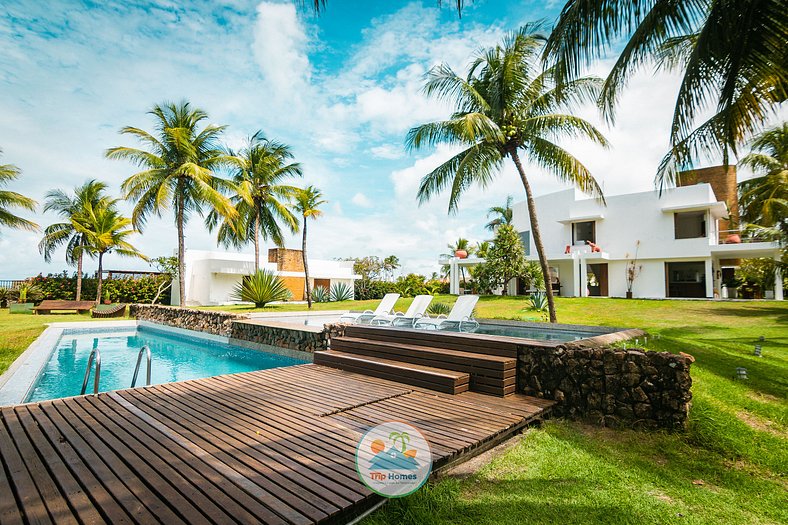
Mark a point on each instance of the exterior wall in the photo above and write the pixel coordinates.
(209, 321)
(297, 286)
(286, 260)
(725, 185)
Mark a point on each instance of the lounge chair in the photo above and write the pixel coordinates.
(414, 312)
(109, 311)
(460, 317)
(386, 306)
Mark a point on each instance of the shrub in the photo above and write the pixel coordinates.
(123, 290)
(4, 296)
(260, 288)
(439, 309)
(372, 289)
(321, 295)
(341, 292)
(538, 301)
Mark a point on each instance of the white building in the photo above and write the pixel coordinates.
(212, 276)
(683, 246)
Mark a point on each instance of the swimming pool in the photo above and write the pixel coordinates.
(174, 357)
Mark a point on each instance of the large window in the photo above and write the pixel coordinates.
(526, 238)
(583, 231)
(689, 225)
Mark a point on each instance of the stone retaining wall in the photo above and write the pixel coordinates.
(612, 387)
(279, 334)
(212, 322)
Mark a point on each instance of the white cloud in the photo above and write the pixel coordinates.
(359, 199)
(387, 151)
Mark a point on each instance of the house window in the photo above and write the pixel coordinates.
(583, 231)
(526, 238)
(689, 225)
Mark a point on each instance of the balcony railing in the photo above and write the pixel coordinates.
(741, 237)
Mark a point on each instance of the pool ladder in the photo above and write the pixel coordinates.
(95, 356)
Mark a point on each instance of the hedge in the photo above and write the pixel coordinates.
(121, 290)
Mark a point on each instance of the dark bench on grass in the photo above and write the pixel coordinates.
(64, 306)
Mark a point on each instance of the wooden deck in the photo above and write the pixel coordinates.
(275, 446)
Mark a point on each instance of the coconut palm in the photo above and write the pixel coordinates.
(503, 214)
(179, 164)
(307, 202)
(505, 106)
(90, 194)
(104, 230)
(460, 245)
(12, 199)
(402, 437)
(764, 199)
(261, 170)
(732, 55)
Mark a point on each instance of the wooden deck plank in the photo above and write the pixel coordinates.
(9, 507)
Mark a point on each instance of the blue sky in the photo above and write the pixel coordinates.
(342, 89)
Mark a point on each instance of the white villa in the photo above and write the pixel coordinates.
(686, 245)
(212, 276)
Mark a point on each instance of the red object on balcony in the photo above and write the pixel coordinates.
(568, 249)
(461, 254)
(733, 239)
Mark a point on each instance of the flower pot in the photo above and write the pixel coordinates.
(629, 295)
(461, 254)
(733, 293)
(768, 294)
(107, 301)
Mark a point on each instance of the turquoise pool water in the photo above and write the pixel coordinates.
(174, 358)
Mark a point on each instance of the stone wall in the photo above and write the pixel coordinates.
(209, 321)
(612, 387)
(304, 339)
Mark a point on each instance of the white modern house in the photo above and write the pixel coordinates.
(212, 276)
(683, 241)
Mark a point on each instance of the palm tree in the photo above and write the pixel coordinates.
(461, 244)
(764, 199)
(261, 169)
(503, 214)
(732, 54)
(307, 202)
(105, 230)
(507, 105)
(12, 199)
(402, 437)
(179, 167)
(91, 194)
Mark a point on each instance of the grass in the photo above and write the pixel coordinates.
(731, 466)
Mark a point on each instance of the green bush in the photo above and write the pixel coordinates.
(373, 289)
(124, 290)
(261, 288)
(439, 309)
(341, 292)
(321, 295)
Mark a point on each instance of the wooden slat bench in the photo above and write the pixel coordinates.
(64, 306)
(116, 310)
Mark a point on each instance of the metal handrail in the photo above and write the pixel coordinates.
(97, 355)
(145, 349)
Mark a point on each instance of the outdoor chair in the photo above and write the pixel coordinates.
(414, 312)
(385, 307)
(460, 317)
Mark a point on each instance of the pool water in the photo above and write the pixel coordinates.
(540, 334)
(174, 357)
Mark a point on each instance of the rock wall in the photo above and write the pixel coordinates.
(212, 322)
(612, 387)
(300, 339)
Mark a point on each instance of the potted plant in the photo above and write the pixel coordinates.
(633, 270)
(732, 285)
(24, 292)
(461, 254)
(106, 297)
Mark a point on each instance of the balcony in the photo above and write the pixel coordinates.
(743, 244)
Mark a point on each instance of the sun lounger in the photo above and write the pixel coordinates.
(415, 311)
(386, 306)
(460, 317)
(109, 311)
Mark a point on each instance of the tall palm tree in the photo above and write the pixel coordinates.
(307, 202)
(732, 54)
(460, 244)
(12, 199)
(506, 105)
(89, 195)
(503, 214)
(260, 172)
(105, 230)
(179, 164)
(764, 199)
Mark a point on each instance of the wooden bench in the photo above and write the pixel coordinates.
(115, 310)
(64, 306)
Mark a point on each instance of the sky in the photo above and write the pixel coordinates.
(342, 89)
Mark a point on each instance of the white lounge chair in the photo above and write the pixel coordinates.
(385, 307)
(414, 312)
(461, 316)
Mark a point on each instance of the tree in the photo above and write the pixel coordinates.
(168, 266)
(105, 230)
(260, 170)
(390, 264)
(460, 244)
(12, 199)
(179, 171)
(505, 259)
(503, 214)
(732, 54)
(89, 195)
(506, 105)
(764, 199)
(307, 202)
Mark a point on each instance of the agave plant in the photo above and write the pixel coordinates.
(538, 301)
(341, 292)
(321, 294)
(260, 288)
(4, 296)
(439, 309)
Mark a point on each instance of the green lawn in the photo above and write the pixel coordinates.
(730, 467)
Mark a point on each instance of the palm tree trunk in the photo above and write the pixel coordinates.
(306, 268)
(536, 234)
(79, 277)
(181, 252)
(257, 240)
(100, 271)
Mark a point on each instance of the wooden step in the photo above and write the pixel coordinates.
(441, 380)
(490, 374)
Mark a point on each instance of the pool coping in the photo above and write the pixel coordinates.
(20, 377)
